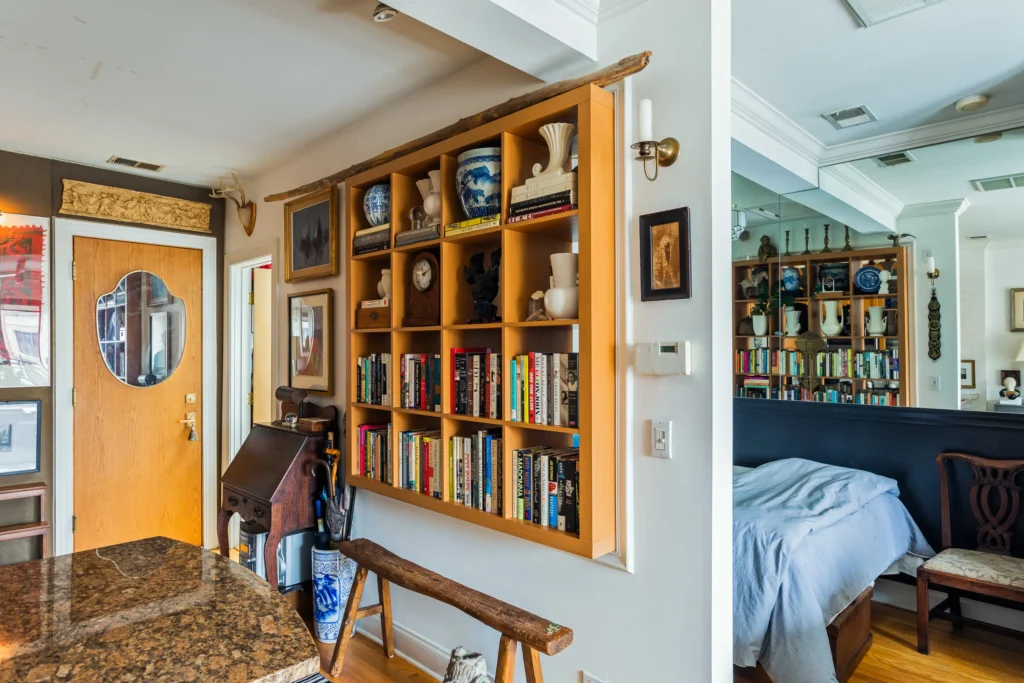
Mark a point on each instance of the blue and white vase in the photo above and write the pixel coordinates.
(478, 181)
(791, 279)
(377, 204)
(333, 575)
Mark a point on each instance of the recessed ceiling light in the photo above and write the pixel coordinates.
(382, 13)
(973, 102)
(988, 137)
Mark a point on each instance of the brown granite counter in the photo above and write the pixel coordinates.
(152, 610)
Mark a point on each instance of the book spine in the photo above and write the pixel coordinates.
(561, 494)
(553, 492)
(542, 465)
(375, 239)
(573, 390)
(519, 486)
(422, 403)
(542, 202)
(536, 489)
(540, 214)
(375, 229)
(488, 474)
(375, 303)
(571, 497)
(476, 385)
(544, 184)
(543, 388)
(527, 487)
(481, 457)
(512, 397)
(530, 383)
(556, 389)
(460, 228)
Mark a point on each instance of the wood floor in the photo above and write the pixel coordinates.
(971, 655)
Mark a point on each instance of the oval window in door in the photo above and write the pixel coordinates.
(141, 329)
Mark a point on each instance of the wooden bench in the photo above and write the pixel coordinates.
(517, 627)
(16, 491)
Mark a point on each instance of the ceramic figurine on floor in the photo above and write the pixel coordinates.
(826, 250)
(466, 667)
(485, 286)
(767, 250)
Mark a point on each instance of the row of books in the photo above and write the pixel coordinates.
(421, 381)
(844, 362)
(776, 362)
(545, 389)
(373, 379)
(476, 471)
(375, 451)
(476, 383)
(878, 364)
(420, 462)
(471, 225)
(547, 482)
(371, 239)
(431, 232)
(543, 196)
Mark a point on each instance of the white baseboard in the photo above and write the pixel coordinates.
(424, 654)
(905, 597)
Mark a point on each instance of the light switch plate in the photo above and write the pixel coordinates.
(661, 439)
(936, 383)
(190, 398)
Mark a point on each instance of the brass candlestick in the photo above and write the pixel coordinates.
(847, 247)
(807, 242)
(826, 250)
(787, 244)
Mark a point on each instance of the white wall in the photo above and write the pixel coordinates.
(973, 314)
(1004, 270)
(675, 613)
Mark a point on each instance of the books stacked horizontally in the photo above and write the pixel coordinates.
(421, 381)
(547, 482)
(375, 452)
(471, 225)
(545, 389)
(543, 196)
(414, 236)
(476, 383)
(420, 460)
(476, 472)
(373, 379)
(756, 386)
(371, 239)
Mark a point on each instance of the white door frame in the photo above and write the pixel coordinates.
(65, 230)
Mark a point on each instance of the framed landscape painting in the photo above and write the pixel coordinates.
(311, 341)
(311, 236)
(665, 255)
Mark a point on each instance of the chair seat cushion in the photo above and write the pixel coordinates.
(1001, 570)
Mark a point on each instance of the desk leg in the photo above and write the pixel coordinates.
(223, 517)
(270, 551)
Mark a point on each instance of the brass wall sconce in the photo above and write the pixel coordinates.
(664, 153)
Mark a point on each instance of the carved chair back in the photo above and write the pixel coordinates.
(994, 499)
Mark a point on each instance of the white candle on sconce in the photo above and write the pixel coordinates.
(931, 264)
(646, 120)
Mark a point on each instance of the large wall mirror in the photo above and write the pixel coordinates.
(141, 330)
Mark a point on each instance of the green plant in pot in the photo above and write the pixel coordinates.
(766, 302)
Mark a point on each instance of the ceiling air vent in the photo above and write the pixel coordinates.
(978, 237)
(871, 12)
(895, 159)
(1006, 182)
(848, 118)
(144, 165)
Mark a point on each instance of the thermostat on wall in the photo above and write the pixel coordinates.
(663, 358)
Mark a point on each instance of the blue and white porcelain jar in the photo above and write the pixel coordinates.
(478, 181)
(791, 279)
(377, 204)
(333, 575)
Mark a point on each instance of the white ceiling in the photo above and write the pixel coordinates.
(203, 86)
(810, 57)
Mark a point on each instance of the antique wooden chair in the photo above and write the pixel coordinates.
(988, 570)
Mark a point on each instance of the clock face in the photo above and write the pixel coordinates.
(422, 275)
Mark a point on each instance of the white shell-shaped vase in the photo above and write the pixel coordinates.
(384, 286)
(430, 190)
(559, 137)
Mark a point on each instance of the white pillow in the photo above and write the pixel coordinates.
(737, 470)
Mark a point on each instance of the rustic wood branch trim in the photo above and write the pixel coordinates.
(611, 74)
(128, 206)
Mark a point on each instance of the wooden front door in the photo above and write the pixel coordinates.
(136, 472)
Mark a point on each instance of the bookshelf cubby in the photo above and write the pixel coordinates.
(898, 303)
(525, 250)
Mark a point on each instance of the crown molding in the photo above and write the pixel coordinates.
(949, 206)
(753, 109)
(611, 8)
(859, 184)
(587, 9)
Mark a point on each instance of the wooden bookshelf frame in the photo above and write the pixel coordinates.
(524, 269)
(902, 293)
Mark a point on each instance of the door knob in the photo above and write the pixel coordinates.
(190, 421)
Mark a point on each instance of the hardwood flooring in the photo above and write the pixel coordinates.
(365, 663)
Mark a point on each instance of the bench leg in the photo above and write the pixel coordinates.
(956, 610)
(387, 631)
(505, 671)
(922, 611)
(531, 660)
(348, 622)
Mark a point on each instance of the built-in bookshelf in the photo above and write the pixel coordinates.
(525, 250)
(854, 367)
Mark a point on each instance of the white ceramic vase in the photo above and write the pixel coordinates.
(333, 575)
(562, 303)
(430, 190)
(760, 324)
(384, 286)
(832, 323)
(559, 137)
(876, 321)
(792, 323)
(565, 268)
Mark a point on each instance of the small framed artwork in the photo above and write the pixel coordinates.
(20, 426)
(156, 290)
(24, 301)
(311, 236)
(311, 341)
(665, 255)
(1015, 374)
(967, 374)
(1017, 310)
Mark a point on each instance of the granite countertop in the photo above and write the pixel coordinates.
(152, 610)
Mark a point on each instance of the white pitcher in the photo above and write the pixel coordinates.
(876, 321)
(792, 323)
(430, 190)
(832, 323)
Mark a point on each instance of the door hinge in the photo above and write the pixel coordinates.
(74, 271)
(252, 298)
(74, 396)
(250, 398)
(74, 523)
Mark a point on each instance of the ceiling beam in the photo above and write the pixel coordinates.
(544, 38)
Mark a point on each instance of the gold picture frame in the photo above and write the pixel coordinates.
(1017, 310)
(311, 341)
(308, 252)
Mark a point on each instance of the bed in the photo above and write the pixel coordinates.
(809, 540)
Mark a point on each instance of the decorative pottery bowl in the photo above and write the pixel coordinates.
(478, 181)
(840, 274)
(562, 303)
(377, 204)
(791, 279)
(868, 279)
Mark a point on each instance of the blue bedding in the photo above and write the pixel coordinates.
(807, 539)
